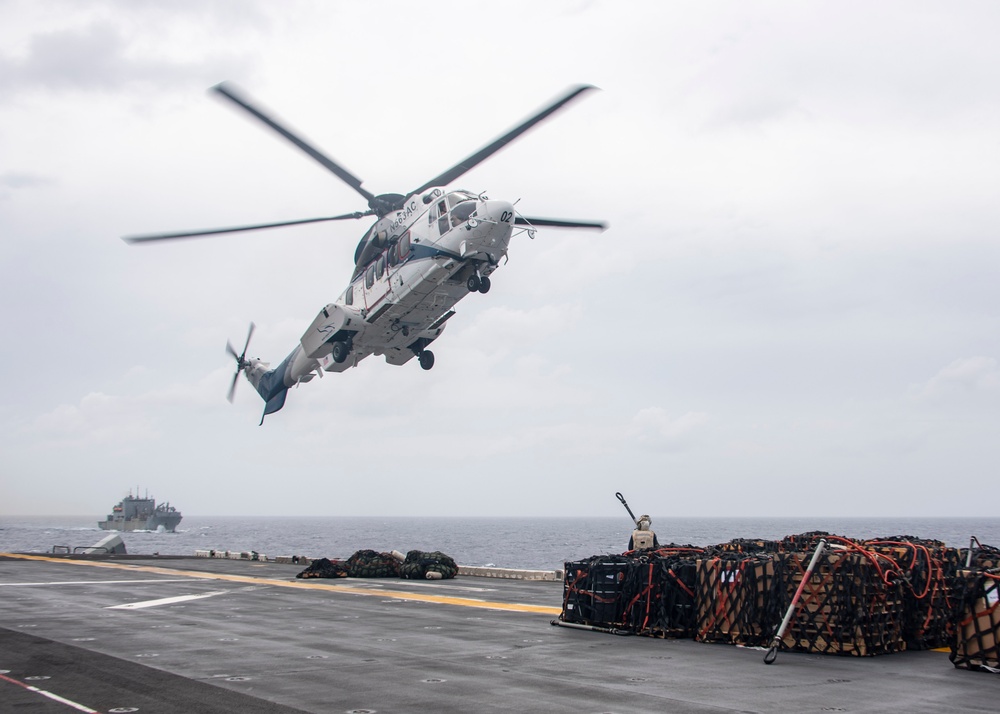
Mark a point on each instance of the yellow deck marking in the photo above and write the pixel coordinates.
(305, 585)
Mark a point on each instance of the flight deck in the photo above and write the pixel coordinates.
(175, 634)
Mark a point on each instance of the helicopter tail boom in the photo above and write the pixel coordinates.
(327, 340)
(269, 383)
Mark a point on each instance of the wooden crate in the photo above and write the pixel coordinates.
(732, 598)
(977, 631)
(846, 606)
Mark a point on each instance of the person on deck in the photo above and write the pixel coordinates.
(642, 537)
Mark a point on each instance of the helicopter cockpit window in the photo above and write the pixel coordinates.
(461, 213)
(370, 276)
(361, 246)
(460, 197)
(398, 252)
(442, 208)
(380, 267)
(349, 296)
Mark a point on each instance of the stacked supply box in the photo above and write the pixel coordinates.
(928, 569)
(749, 545)
(861, 599)
(594, 591)
(734, 601)
(984, 557)
(977, 621)
(851, 604)
(660, 592)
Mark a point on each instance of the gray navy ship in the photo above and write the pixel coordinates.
(141, 514)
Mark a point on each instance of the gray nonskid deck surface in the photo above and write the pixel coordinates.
(256, 643)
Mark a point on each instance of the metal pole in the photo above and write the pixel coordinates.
(973, 541)
(773, 652)
(622, 499)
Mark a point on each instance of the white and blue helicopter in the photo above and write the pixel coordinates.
(427, 250)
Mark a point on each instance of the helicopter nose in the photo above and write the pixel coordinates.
(499, 212)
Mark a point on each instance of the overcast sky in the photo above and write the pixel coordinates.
(794, 311)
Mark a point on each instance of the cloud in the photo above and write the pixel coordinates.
(122, 420)
(98, 419)
(507, 329)
(98, 57)
(965, 377)
(753, 110)
(14, 180)
(654, 427)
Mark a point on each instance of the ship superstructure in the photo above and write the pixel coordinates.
(135, 513)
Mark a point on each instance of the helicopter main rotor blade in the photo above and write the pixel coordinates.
(557, 223)
(232, 387)
(237, 229)
(487, 151)
(228, 91)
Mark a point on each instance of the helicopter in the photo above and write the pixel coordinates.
(426, 250)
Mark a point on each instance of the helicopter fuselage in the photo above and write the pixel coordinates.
(413, 266)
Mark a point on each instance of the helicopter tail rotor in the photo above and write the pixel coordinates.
(241, 361)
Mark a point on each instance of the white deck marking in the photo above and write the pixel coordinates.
(50, 695)
(99, 582)
(63, 700)
(164, 601)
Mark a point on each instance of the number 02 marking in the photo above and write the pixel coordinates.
(506, 216)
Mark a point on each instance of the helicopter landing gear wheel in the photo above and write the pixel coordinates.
(426, 359)
(340, 352)
(484, 285)
(473, 283)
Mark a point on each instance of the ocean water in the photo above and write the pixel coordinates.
(533, 543)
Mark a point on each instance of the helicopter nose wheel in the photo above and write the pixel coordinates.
(426, 359)
(477, 283)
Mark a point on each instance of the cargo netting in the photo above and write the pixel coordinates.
(928, 570)
(418, 564)
(324, 568)
(661, 592)
(734, 598)
(976, 644)
(863, 598)
(594, 591)
(372, 564)
(852, 602)
(984, 557)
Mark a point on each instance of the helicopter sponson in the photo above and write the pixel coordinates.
(427, 250)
